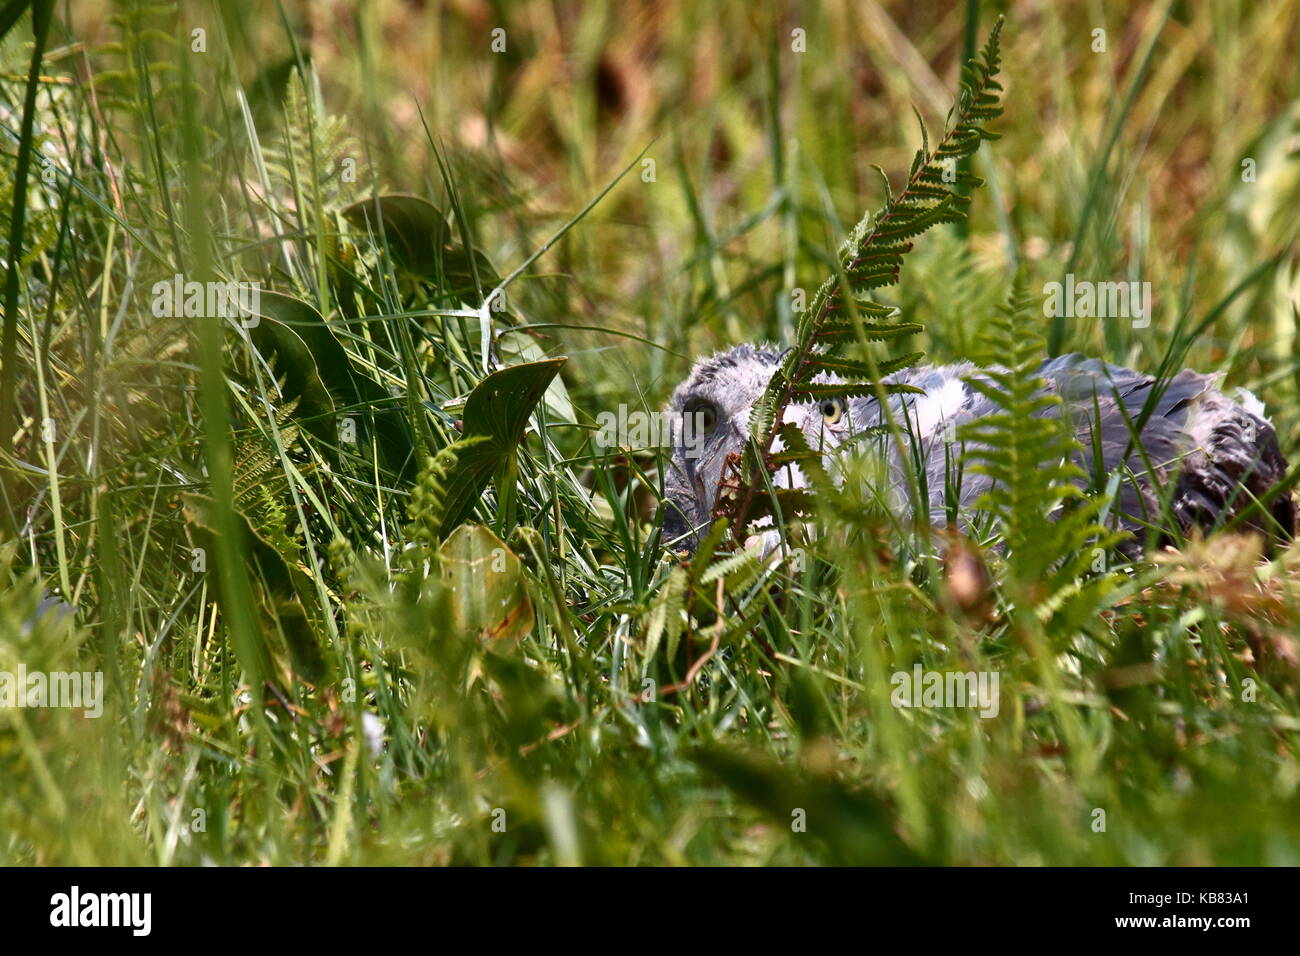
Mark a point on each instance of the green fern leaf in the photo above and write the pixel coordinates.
(871, 258)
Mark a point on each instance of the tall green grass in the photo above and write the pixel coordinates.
(320, 691)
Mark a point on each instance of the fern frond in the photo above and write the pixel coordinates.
(428, 504)
(871, 258)
(306, 160)
(666, 618)
(1049, 528)
(739, 561)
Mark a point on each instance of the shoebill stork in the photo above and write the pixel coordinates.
(1220, 452)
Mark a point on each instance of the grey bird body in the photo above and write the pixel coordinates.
(1214, 455)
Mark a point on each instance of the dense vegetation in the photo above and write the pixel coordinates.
(365, 589)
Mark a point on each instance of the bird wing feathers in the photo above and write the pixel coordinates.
(1219, 454)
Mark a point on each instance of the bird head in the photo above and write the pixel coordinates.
(713, 406)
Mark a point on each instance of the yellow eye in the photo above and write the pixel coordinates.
(832, 410)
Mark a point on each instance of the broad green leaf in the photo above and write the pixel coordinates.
(519, 346)
(488, 594)
(420, 239)
(10, 12)
(348, 387)
(496, 413)
(302, 381)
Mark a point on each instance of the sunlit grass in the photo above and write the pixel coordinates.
(234, 515)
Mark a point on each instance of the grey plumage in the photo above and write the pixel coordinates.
(1221, 453)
